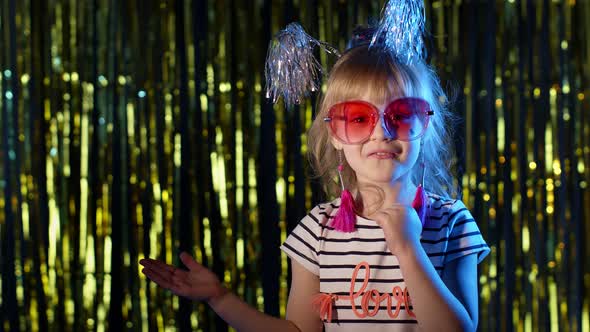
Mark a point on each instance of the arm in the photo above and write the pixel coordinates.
(439, 305)
(447, 304)
(243, 317)
(199, 283)
(304, 286)
(300, 316)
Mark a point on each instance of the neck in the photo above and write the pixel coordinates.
(373, 197)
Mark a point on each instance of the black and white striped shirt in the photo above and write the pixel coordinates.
(450, 232)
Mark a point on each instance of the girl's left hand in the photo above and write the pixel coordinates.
(401, 225)
(196, 283)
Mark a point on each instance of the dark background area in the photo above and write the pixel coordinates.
(140, 128)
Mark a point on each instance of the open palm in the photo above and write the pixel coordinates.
(197, 283)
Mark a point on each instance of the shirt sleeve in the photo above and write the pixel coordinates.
(302, 245)
(464, 235)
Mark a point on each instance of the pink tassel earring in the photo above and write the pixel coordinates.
(345, 218)
(419, 203)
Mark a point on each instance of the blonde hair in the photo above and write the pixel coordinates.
(379, 76)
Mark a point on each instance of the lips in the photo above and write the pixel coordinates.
(383, 154)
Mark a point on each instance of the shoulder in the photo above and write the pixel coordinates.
(323, 213)
(450, 222)
(438, 202)
(445, 208)
(444, 213)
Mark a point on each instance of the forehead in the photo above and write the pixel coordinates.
(378, 103)
(376, 87)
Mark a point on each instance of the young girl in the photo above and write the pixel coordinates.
(394, 260)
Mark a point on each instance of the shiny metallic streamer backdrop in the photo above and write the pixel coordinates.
(138, 128)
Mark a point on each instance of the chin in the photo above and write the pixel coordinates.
(382, 179)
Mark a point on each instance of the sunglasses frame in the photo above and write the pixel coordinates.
(376, 115)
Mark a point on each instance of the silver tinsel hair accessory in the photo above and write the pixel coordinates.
(291, 69)
(401, 28)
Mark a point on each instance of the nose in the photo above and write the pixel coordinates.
(380, 132)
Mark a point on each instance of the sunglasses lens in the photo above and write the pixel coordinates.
(407, 118)
(352, 122)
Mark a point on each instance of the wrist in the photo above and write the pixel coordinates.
(219, 293)
(408, 248)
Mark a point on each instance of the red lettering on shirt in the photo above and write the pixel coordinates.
(323, 301)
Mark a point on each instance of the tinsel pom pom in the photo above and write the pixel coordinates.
(401, 28)
(345, 219)
(291, 69)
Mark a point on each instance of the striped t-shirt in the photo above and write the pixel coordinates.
(450, 232)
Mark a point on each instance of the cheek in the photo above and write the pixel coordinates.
(412, 153)
(353, 156)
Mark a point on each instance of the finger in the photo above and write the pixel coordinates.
(154, 264)
(159, 279)
(157, 264)
(402, 207)
(397, 205)
(189, 262)
(156, 274)
(163, 270)
(394, 211)
(399, 208)
(147, 262)
(379, 218)
(382, 214)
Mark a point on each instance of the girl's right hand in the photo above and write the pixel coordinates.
(401, 226)
(198, 283)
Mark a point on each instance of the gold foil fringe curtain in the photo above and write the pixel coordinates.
(139, 128)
